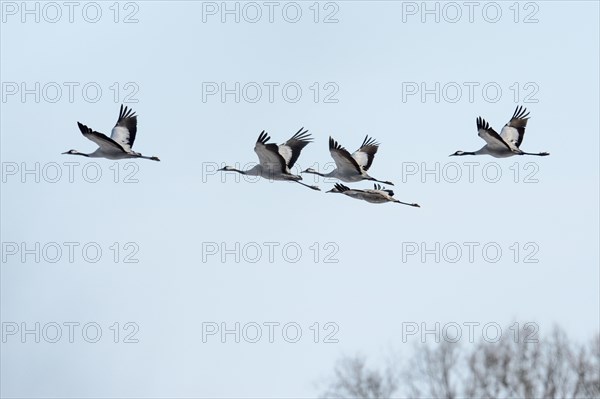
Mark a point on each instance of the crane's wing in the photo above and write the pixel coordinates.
(290, 150)
(104, 142)
(378, 187)
(365, 154)
(490, 136)
(514, 130)
(350, 192)
(341, 188)
(343, 160)
(125, 128)
(268, 155)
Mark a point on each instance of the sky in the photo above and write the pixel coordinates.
(154, 279)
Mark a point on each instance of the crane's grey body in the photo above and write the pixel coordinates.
(487, 150)
(378, 195)
(508, 142)
(111, 154)
(118, 145)
(266, 172)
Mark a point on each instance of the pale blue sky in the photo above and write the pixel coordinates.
(370, 54)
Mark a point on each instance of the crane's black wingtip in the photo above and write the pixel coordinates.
(83, 128)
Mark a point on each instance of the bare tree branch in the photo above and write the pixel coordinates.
(516, 366)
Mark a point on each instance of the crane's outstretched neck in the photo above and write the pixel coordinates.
(232, 169)
(461, 153)
(314, 172)
(75, 152)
